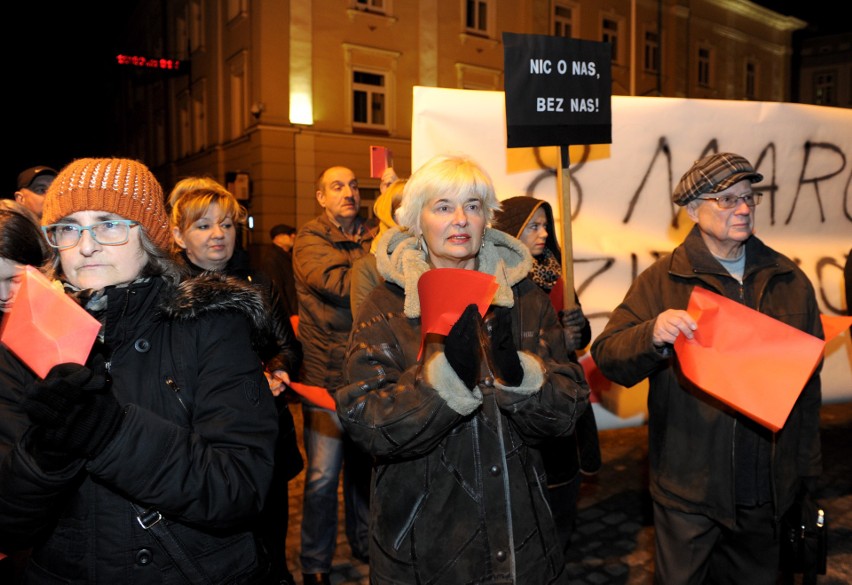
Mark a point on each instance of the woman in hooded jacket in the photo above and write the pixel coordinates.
(148, 463)
(458, 495)
(566, 459)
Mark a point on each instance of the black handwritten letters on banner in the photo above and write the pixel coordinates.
(557, 91)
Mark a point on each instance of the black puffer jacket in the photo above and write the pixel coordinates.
(197, 443)
(284, 352)
(458, 497)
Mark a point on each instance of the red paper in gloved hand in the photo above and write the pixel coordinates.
(444, 295)
(45, 327)
(315, 394)
(750, 361)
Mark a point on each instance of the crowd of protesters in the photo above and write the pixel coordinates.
(164, 457)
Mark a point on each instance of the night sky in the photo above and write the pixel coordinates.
(61, 73)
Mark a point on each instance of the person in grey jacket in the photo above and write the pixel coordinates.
(149, 463)
(458, 496)
(719, 480)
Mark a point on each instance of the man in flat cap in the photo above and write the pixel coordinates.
(32, 185)
(719, 480)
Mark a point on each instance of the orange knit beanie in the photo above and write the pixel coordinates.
(116, 185)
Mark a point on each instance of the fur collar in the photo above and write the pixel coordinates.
(210, 293)
(400, 259)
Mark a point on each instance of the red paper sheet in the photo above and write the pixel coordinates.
(315, 394)
(833, 326)
(748, 360)
(45, 327)
(446, 292)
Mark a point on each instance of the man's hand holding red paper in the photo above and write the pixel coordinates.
(671, 323)
(751, 361)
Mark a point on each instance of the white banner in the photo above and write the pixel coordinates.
(620, 194)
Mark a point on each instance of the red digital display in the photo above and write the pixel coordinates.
(149, 62)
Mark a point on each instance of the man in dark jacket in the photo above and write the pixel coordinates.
(278, 265)
(323, 255)
(719, 480)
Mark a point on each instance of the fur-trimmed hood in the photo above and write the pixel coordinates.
(400, 259)
(215, 292)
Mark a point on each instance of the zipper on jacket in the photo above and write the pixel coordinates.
(176, 389)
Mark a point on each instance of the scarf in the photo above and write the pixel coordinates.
(546, 270)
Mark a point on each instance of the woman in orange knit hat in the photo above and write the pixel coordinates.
(146, 464)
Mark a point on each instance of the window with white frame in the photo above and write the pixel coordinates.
(369, 99)
(610, 29)
(371, 87)
(564, 17)
(652, 51)
(477, 17)
(705, 66)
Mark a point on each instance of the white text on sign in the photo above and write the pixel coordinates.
(545, 66)
(557, 104)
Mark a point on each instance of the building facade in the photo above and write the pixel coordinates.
(825, 71)
(267, 93)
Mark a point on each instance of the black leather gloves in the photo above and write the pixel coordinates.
(573, 322)
(507, 365)
(461, 346)
(75, 411)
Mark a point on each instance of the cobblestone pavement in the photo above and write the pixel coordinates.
(614, 541)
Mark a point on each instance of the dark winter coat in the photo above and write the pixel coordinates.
(286, 353)
(564, 457)
(322, 260)
(458, 497)
(196, 443)
(278, 265)
(693, 439)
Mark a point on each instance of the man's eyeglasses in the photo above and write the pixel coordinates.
(731, 201)
(112, 232)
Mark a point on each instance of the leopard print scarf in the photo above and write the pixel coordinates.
(546, 270)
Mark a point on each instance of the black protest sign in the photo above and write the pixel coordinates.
(557, 91)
